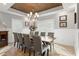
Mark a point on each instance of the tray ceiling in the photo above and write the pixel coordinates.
(34, 7)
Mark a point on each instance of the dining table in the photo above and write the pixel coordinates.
(49, 40)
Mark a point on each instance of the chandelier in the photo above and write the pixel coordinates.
(31, 20)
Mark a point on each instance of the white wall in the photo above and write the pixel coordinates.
(10, 23)
(55, 17)
(5, 18)
(70, 19)
(17, 25)
(76, 45)
(45, 25)
(64, 36)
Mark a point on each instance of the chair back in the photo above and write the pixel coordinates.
(36, 33)
(50, 34)
(42, 33)
(20, 38)
(27, 41)
(37, 43)
(16, 37)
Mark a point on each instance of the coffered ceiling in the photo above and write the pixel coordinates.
(34, 7)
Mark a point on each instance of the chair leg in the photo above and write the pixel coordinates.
(14, 44)
(53, 48)
(47, 52)
(50, 46)
(29, 52)
(43, 53)
(24, 49)
(17, 45)
(34, 53)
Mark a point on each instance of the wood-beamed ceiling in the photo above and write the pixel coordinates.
(34, 7)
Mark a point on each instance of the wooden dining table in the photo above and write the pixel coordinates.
(49, 40)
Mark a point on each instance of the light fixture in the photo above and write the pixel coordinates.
(31, 20)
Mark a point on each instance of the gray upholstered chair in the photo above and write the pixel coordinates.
(39, 48)
(50, 34)
(36, 33)
(15, 39)
(27, 43)
(20, 38)
(42, 33)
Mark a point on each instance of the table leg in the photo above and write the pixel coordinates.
(53, 47)
(50, 47)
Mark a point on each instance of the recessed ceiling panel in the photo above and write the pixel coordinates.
(34, 7)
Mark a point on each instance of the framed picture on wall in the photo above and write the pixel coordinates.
(63, 24)
(63, 18)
